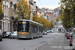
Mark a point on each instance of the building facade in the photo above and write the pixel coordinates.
(48, 13)
(56, 14)
(32, 8)
(8, 22)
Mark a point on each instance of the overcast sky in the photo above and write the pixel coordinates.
(51, 4)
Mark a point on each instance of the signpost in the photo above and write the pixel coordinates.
(50, 21)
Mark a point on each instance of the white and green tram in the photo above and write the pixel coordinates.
(29, 29)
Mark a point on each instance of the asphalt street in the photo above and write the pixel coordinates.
(23, 44)
(60, 43)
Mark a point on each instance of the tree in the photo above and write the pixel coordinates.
(42, 19)
(35, 17)
(51, 25)
(1, 11)
(45, 23)
(67, 21)
(1, 0)
(57, 19)
(23, 10)
(67, 9)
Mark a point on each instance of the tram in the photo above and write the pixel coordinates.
(29, 29)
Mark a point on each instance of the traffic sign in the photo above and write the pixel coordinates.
(50, 21)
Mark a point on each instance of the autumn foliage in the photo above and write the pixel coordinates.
(68, 13)
(43, 21)
(23, 10)
(57, 19)
(1, 11)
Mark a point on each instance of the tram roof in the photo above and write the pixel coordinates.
(30, 21)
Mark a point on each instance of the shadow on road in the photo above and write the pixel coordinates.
(73, 49)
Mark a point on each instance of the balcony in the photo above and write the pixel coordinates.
(31, 2)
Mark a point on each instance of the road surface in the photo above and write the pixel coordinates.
(44, 43)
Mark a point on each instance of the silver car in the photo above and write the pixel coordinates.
(51, 31)
(13, 35)
(44, 33)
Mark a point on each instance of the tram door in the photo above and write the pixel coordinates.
(38, 29)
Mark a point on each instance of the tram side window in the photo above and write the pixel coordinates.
(35, 29)
(32, 28)
(41, 29)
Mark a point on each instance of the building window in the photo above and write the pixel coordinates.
(7, 0)
(11, 3)
(50, 12)
(14, 6)
(3, 7)
(17, 0)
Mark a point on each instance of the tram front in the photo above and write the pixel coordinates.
(23, 29)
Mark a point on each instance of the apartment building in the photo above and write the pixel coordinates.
(32, 8)
(48, 13)
(8, 22)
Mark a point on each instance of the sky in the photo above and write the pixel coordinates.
(51, 4)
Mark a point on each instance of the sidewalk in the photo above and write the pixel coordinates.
(60, 43)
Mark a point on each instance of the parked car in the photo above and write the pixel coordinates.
(68, 35)
(0, 36)
(13, 35)
(6, 34)
(44, 33)
(51, 31)
(48, 31)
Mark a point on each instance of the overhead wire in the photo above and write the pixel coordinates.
(40, 3)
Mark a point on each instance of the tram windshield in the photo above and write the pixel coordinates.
(23, 27)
